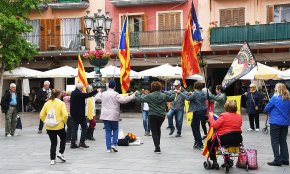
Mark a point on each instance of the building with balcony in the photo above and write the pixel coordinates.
(264, 24)
(156, 29)
(56, 34)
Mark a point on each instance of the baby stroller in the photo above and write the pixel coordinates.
(229, 153)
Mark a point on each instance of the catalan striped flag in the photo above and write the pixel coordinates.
(82, 78)
(190, 47)
(205, 151)
(124, 56)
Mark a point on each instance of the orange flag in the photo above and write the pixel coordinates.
(190, 47)
(82, 78)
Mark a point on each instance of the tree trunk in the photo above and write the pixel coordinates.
(1, 80)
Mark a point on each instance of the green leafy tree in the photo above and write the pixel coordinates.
(13, 47)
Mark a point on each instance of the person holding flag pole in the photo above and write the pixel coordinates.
(190, 48)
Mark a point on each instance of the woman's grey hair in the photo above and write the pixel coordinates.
(12, 85)
(79, 86)
(89, 88)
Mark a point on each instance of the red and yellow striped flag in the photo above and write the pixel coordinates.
(124, 56)
(205, 151)
(82, 78)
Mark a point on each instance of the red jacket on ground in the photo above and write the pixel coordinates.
(227, 122)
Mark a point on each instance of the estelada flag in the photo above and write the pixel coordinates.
(82, 78)
(190, 47)
(242, 65)
(124, 56)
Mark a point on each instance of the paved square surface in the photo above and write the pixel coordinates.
(28, 153)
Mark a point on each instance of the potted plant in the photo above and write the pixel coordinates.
(97, 57)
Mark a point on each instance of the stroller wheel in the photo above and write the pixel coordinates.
(231, 163)
(227, 169)
(207, 165)
(265, 130)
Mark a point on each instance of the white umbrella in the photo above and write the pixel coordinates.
(64, 72)
(22, 72)
(263, 72)
(113, 71)
(167, 71)
(286, 74)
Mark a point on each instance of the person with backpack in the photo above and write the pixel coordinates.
(11, 105)
(54, 115)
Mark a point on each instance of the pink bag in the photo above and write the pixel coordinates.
(248, 159)
(252, 158)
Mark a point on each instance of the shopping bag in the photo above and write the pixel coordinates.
(18, 123)
(252, 158)
(50, 119)
(121, 134)
(242, 160)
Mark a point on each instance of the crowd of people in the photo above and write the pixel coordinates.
(62, 114)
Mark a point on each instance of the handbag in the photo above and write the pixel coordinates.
(18, 123)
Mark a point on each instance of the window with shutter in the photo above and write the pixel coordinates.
(270, 14)
(49, 34)
(169, 21)
(230, 17)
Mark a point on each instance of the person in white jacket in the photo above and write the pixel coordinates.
(110, 113)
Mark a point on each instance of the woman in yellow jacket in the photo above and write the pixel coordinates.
(54, 103)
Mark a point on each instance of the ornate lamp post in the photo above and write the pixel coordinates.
(99, 25)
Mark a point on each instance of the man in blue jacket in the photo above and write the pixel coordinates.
(77, 111)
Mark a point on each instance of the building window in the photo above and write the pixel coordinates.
(232, 17)
(70, 28)
(34, 36)
(169, 21)
(282, 13)
(136, 23)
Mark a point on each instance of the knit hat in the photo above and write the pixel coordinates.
(112, 84)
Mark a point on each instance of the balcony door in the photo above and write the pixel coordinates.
(70, 28)
(49, 34)
(136, 24)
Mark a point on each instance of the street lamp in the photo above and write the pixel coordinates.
(100, 24)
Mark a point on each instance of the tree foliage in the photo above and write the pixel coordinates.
(13, 23)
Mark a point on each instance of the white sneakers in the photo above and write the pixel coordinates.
(61, 157)
(114, 148)
(250, 129)
(52, 162)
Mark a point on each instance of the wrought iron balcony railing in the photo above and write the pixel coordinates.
(265, 33)
(65, 42)
(143, 2)
(69, 4)
(160, 38)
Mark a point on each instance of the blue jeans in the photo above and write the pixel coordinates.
(111, 126)
(74, 131)
(195, 126)
(278, 136)
(178, 119)
(146, 124)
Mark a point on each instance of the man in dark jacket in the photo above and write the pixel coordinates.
(11, 105)
(77, 111)
(41, 97)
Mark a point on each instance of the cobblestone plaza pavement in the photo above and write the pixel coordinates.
(28, 153)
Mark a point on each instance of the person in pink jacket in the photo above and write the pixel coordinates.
(110, 113)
